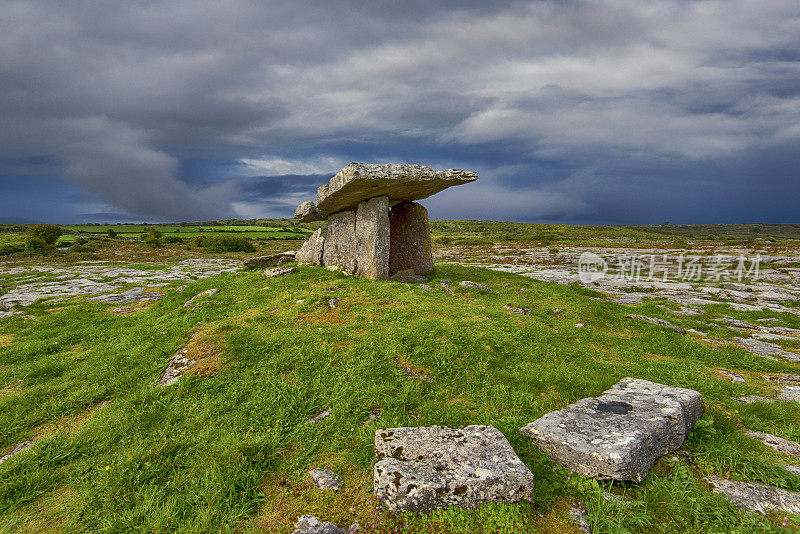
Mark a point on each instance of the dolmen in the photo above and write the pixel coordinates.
(375, 229)
(621, 433)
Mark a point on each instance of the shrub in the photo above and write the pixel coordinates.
(225, 243)
(152, 237)
(170, 239)
(49, 233)
(111, 233)
(443, 240)
(11, 248)
(36, 245)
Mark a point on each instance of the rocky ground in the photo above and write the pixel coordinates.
(104, 281)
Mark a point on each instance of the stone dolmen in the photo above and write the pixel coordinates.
(375, 229)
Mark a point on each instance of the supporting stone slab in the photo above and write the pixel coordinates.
(427, 468)
(620, 434)
(372, 238)
(361, 181)
(311, 251)
(410, 239)
(340, 243)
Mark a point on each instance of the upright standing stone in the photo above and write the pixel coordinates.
(410, 239)
(340, 243)
(372, 238)
(311, 251)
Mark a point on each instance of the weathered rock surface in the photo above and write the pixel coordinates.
(18, 448)
(325, 479)
(372, 238)
(278, 271)
(311, 251)
(735, 377)
(519, 311)
(271, 260)
(473, 285)
(757, 497)
(361, 181)
(206, 293)
(178, 363)
(427, 468)
(340, 243)
(789, 394)
(307, 212)
(657, 321)
(410, 239)
(766, 349)
(621, 433)
(308, 524)
(776, 442)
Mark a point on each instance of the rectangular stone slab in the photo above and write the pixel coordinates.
(340, 243)
(361, 181)
(620, 434)
(427, 468)
(372, 239)
(410, 239)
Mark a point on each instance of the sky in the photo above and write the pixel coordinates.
(601, 112)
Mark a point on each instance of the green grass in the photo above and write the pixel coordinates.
(228, 448)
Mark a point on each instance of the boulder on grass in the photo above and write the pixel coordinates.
(620, 434)
(427, 468)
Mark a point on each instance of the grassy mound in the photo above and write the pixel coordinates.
(227, 448)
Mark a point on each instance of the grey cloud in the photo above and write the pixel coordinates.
(588, 100)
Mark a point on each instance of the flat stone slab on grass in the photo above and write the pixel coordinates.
(778, 443)
(361, 181)
(428, 468)
(278, 271)
(620, 434)
(757, 497)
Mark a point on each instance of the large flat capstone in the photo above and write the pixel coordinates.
(621, 433)
(427, 468)
(361, 181)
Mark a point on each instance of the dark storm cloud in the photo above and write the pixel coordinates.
(613, 111)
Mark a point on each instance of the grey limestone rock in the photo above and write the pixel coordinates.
(372, 238)
(361, 181)
(766, 349)
(308, 524)
(178, 363)
(427, 468)
(340, 243)
(325, 479)
(775, 442)
(657, 321)
(206, 293)
(757, 497)
(278, 271)
(474, 285)
(271, 260)
(311, 251)
(410, 239)
(519, 311)
(307, 212)
(620, 434)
